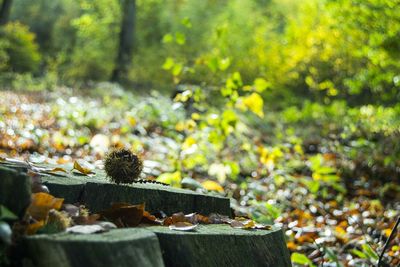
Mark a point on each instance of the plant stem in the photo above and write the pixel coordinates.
(388, 241)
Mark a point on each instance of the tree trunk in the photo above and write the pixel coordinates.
(5, 11)
(126, 40)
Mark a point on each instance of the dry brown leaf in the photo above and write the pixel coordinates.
(176, 217)
(202, 219)
(41, 204)
(148, 218)
(124, 214)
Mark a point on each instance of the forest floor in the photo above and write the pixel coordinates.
(337, 222)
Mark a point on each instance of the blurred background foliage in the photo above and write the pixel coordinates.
(345, 49)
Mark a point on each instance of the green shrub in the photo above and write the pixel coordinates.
(18, 50)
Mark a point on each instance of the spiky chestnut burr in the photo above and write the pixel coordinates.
(123, 166)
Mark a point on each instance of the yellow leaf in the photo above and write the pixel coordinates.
(34, 227)
(195, 116)
(255, 103)
(171, 178)
(387, 232)
(189, 125)
(180, 126)
(81, 169)
(41, 204)
(189, 141)
(212, 186)
(131, 121)
(242, 224)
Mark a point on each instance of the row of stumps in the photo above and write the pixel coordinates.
(208, 245)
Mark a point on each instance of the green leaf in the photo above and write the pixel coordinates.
(330, 178)
(301, 259)
(226, 91)
(359, 254)
(235, 168)
(167, 38)
(273, 210)
(237, 78)
(224, 63)
(177, 69)
(312, 186)
(180, 38)
(260, 85)
(171, 178)
(325, 170)
(186, 22)
(366, 248)
(168, 64)
(332, 256)
(213, 64)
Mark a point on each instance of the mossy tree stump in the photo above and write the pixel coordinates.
(119, 247)
(15, 189)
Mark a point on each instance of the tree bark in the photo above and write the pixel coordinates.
(126, 40)
(5, 11)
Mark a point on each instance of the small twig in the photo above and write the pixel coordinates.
(388, 241)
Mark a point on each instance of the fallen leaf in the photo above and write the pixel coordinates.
(249, 224)
(202, 219)
(216, 218)
(34, 227)
(81, 169)
(58, 169)
(212, 186)
(41, 204)
(86, 219)
(176, 217)
(124, 214)
(148, 218)
(183, 226)
(291, 245)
